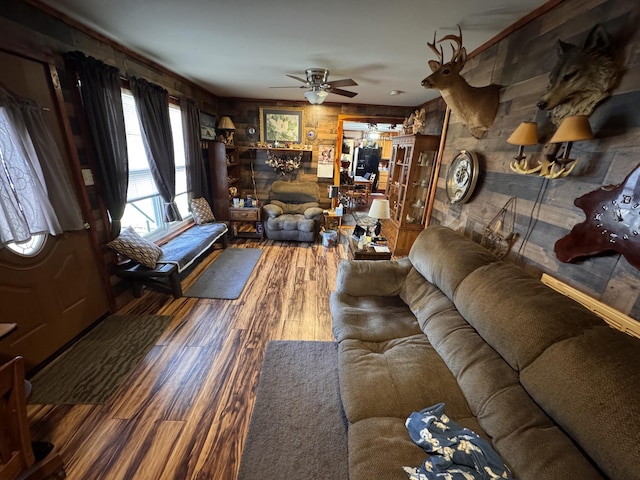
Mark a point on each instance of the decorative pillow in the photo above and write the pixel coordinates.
(133, 246)
(201, 211)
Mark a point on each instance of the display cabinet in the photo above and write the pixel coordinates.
(223, 173)
(413, 161)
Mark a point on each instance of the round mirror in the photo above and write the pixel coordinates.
(462, 177)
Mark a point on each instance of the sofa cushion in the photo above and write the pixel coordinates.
(432, 254)
(424, 299)
(395, 378)
(379, 447)
(298, 208)
(598, 399)
(518, 315)
(372, 318)
(294, 192)
(354, 276)
(291, 222)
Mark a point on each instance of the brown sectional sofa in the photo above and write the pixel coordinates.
(551, 386)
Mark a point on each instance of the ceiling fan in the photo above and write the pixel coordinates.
(319, 87)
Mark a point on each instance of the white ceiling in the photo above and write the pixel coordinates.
(240, 48)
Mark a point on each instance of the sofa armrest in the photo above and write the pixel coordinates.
(272, 210)
(313, 212)
(372, 277)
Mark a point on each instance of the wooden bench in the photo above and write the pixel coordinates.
(178, 256)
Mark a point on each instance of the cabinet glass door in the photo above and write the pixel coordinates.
(418, 188)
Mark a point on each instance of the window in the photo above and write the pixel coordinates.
(144, 205)
(22, 198)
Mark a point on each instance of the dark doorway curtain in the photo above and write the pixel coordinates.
(196, 175)
(152, 105)
(99, 86)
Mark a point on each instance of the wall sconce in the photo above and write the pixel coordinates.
(526, 134)
(227, 128)
(572, 129)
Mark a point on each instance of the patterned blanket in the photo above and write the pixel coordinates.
(456, 453)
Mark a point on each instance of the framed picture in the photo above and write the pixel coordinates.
(207, 126)
(282, 125)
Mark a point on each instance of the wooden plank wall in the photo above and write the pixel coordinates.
(321, 118)
(521, 63)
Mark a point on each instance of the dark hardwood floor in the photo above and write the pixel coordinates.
(184, 412)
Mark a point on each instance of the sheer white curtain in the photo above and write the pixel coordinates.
(25, 205)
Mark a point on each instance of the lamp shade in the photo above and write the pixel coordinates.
(316, 97)
(379, 209)
(573, 129)
(525, 134)
(226, 124)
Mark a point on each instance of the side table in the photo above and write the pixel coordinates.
(241, 220)
(366, 253)
(331, 221)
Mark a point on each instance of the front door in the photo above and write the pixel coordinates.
(57, 293)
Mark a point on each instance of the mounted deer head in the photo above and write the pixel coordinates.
(476, 106)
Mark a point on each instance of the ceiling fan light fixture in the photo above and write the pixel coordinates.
(316, 97)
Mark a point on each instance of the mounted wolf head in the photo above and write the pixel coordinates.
(476, 106)
(582, 77)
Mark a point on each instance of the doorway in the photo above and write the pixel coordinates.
(361, 122)
(57, 292)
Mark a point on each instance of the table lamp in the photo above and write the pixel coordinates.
(379, 210)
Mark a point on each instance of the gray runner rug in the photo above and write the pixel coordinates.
(298, 428)
(92, 369)
(227, 276)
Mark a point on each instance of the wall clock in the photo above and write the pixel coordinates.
(311, 135)
(251, 131)
(612, 224)
(462, 177)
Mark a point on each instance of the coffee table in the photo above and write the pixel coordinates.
(366, 253)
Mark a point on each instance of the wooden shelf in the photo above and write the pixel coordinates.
(280, 149)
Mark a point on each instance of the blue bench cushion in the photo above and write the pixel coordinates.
(185, 248)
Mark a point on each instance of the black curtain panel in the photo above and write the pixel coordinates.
(102, 101)
(152, 105)
(196, 175)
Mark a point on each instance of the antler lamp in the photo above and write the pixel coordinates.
(227, 128)
(379, 210)
(526, 134)
(572, 129)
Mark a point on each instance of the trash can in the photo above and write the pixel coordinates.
(329, 238)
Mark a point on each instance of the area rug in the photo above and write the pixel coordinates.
(298, 428)
(93, 368)
(358, 218)
(226, 277)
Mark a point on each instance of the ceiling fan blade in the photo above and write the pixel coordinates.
(292, 86)
(297, 78)
(347, 82)
(344, 93)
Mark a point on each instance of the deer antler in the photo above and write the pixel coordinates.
(457, 51)
(439, 53)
